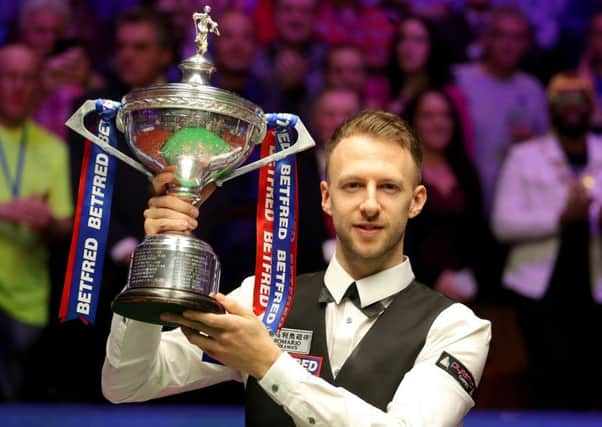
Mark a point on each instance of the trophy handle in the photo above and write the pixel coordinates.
(76, 123)
(304, 142)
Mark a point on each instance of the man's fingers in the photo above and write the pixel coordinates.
(162, 213)
(161, 180)
(207, 344)
(166, 225)
(190, 324)
(232, 306)
(175, 204)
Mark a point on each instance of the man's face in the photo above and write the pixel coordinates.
(180, 14)
(235, 48)
(333, 108)
(346, 69)
(370, 193)
(42, 30)
(294, 20)
(140, 59)
(18, 84)
(507, 42)
(571, 112)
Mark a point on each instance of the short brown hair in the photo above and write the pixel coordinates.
(382, 126)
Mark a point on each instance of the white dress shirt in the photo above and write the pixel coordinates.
(143, 363)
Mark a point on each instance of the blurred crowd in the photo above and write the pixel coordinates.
(505, 96)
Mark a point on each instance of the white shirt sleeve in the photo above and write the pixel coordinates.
(144, 363)
(427, 396)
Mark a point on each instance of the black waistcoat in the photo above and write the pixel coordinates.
(378, 363)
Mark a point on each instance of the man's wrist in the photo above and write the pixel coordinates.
(267, 361)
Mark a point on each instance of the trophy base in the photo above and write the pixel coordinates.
(147, 304)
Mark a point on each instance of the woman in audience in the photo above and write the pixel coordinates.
(418, 63)
(444, 240)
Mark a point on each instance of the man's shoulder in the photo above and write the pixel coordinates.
(466, 72)
(39, 135)
(532, 148)
(527, 82)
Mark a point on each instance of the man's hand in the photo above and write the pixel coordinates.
(167, 213)
(577, 204)
(238, 339)
(31, 211)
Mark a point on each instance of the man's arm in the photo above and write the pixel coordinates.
(144, 363)
(444, 376)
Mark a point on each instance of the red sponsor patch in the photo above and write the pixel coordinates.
(313, 364)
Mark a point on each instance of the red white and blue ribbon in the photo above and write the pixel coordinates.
(275, 267)
(83, 277)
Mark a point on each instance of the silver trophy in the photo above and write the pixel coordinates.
(204, 133)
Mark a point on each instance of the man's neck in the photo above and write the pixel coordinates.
(360, 269)
(574, 145)
(232, 81)
(12, 124)
(497, 72)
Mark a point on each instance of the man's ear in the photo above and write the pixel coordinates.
(325, 197)
(418, 201)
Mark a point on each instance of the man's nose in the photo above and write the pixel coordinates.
(370, 207)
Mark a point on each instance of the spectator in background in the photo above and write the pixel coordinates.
(291, 65)
(464, 28)
(345, 67)
(353, 22)
(180, 14)
(234, 53)
(35, 208)
(144, 49)
(547, 207)
(505, 104)
(418, 63)
(446, 240)
(590, 67)
(368, 27)
(66, 71)
(332, 107)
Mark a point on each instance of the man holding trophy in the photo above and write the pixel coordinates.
(362, 344)
(386, 353)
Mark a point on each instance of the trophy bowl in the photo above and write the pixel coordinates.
(202, 132)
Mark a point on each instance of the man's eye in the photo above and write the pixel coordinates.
(390, 187)
(351, 185)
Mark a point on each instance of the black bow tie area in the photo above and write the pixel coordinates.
(352, 294)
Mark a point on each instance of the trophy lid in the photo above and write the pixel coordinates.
(194, 91)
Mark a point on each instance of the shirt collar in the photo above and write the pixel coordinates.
(372, 288)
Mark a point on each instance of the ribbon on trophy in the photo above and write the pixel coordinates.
(91, 225)
(276, 256)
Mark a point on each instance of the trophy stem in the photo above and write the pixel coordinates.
(189, 194)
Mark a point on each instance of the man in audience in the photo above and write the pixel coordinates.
(547, 207)
(506, 105)
(291, 65)
(35, 208)
(332, 107)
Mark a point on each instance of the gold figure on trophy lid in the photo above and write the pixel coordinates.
(204, 25)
